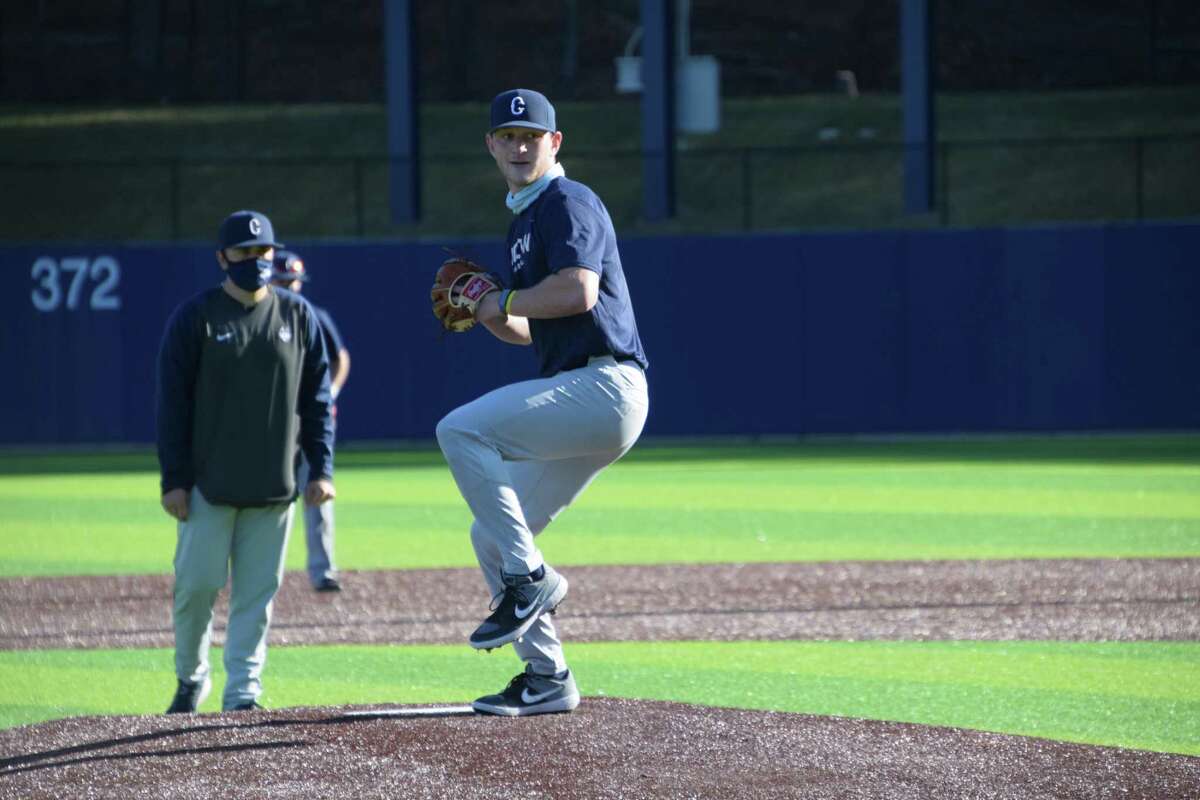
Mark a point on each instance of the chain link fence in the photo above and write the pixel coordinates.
(760, 189)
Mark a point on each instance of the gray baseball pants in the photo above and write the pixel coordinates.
(522, 453)
(318, 532)
(216, 542)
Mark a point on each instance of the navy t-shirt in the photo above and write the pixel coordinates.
(567, 226)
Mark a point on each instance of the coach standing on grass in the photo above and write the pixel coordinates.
(240, 369)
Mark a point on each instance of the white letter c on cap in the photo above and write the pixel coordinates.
(517, 106)
(255, 226)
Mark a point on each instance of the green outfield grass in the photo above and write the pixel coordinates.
(1030, 498)
(1140, 695)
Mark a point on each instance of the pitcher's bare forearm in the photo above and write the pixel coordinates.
(563, 294)
(511, 329)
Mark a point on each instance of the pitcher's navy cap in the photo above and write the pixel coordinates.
(246, 228)
(522, 108)
(288, 267)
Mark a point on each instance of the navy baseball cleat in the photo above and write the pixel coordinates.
(189, 696)
(524, 599)
(530, 693)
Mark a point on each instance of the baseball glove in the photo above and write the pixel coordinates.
(457, 289)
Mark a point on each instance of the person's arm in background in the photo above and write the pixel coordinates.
(341, 371)
(339, 356)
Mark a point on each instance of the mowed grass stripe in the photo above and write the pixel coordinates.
(1143, 695)
(789, 505)
(386, 537)
(45, 501)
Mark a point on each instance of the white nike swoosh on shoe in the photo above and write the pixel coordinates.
(522, 613)
(530, 699)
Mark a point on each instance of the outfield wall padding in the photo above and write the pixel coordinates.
(992, 330)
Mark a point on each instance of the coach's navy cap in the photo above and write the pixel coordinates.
(522, 108)
(246, 228)
(287, 266)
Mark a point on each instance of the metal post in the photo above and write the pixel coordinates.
(916, 79)
(747, 192)
(143, 49)
(400, 59)
(1139, 178)
(1152, 49)
(175, 213)
(235, 31)
(189, 69)
(570, 59)
(39, 42)
(944, 192)
(127, 61)
(359, 225)
(658, 109)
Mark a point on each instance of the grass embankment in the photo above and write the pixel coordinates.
(785, 163)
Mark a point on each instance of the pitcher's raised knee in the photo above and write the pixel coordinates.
(450, 433)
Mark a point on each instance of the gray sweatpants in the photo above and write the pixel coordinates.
(214, 543)
(522, 453)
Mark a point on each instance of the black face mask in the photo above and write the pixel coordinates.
(250, 275)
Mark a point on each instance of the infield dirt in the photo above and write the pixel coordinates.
(609, 748)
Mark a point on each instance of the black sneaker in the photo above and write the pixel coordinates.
(251, 705)
(530, 693)
(328, 585)
(521, 603)
(189, 696)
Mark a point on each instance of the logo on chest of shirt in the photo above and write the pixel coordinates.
(285, 334)
(518, 251)
(222, 335)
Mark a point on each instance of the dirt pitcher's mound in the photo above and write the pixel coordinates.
(608, 748)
